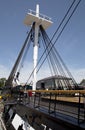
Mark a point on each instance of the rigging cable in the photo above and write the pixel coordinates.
(57, 59)
(53, 36)
(25, 53)
(59, 33)
(14, 69)
(57, 67)
(58, 38)
(50, 62)
(50, 55)
(23, 59)
(26, 48)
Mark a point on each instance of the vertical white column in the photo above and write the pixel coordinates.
(35, 56)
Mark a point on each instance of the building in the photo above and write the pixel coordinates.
(82, 84)
(56, 83)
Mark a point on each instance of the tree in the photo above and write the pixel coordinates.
(2, 82)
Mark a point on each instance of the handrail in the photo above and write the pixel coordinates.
(54, 98)
(58, 91)
(40, 15)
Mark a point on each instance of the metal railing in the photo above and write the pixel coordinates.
(40, 15)
(69, 103)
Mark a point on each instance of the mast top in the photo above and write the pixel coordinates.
(35, 16)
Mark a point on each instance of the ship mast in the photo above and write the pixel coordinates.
(35, 55)
(38, 19)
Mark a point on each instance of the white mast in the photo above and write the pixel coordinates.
(35, 56)
(39, 19)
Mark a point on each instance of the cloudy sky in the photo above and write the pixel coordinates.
(71, 44)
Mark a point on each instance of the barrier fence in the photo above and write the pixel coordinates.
(68, 103)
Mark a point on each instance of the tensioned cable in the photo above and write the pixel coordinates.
(49, 60)
(25, 50)
(52, 59)
(55, 63)
(53, 35)
(60, 32)
(19, 56)
(25, 53)
(52, 53)
(22, 61)
(57, 31)
(55, 58)
(60, 35)
(13, 71)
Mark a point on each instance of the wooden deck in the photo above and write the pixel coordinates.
(67, 95)
(67, 99)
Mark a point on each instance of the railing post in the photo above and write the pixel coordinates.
(39, 99)
(36, 105)
(49, 103)
(55, 103)
(84, 105)
(79, 108)
(34, 99)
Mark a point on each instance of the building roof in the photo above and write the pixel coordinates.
(82, 83)
(55, 77)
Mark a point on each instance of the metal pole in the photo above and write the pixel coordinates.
(35, 56)
(79, 108)
(49, 111)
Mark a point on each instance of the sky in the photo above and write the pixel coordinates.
(13, 32)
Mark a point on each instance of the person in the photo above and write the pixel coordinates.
(29, 95)
(20, 127)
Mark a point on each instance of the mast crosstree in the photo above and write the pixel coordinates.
(38, 19)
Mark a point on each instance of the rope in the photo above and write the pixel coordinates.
(58, 34)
